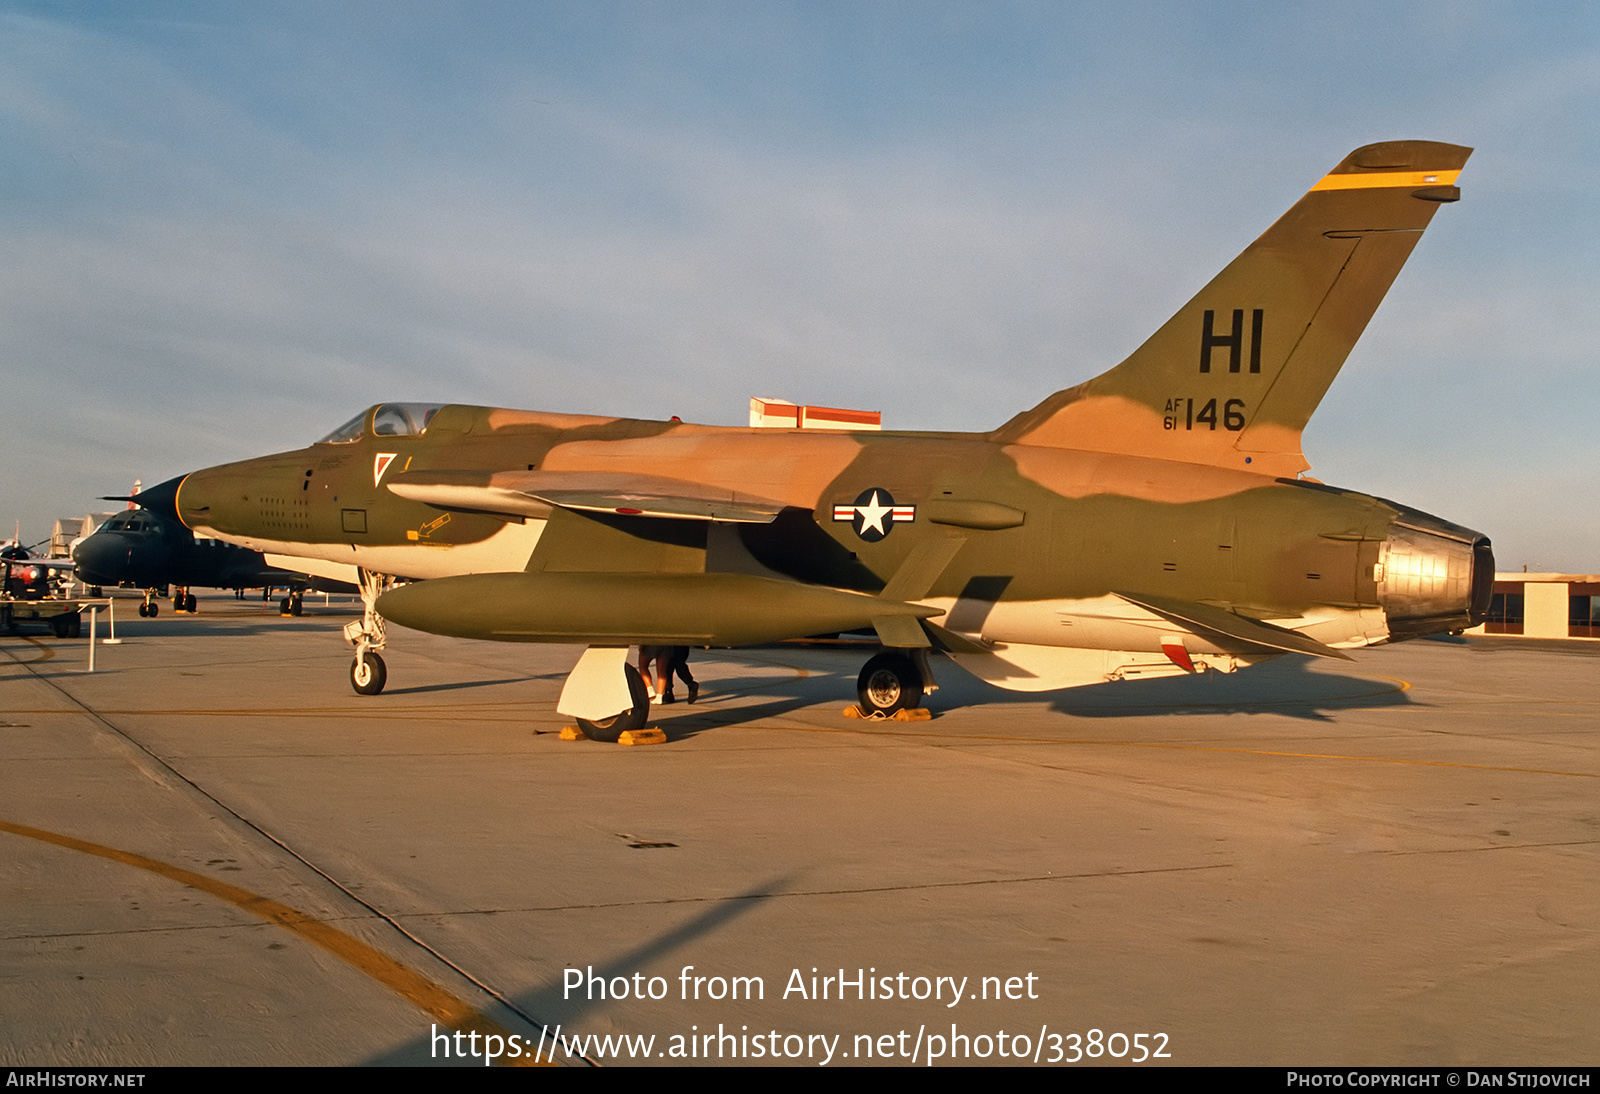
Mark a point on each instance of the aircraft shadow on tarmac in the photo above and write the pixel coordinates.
(459, 685)
(1286, 686)
(551, 1003)
(182, 626)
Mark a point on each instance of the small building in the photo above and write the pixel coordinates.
(68, 530)
(782, 414)
(1544, 606)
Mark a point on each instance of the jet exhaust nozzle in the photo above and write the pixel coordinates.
(1433, 576)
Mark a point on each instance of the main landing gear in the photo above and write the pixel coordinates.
(368, 673)
(607, 730)
(292, 605)
(605, 694)
(184, 601)
(893, 681)
(149, 609)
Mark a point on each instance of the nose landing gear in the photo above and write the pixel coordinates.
(368, 673)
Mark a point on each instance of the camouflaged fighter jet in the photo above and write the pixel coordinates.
(1152, 521)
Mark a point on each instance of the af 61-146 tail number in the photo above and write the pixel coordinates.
(1183, 413)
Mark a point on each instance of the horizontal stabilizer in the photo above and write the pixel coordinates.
(534, 493)
(1210, 618)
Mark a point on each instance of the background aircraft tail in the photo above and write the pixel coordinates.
(1232, 379)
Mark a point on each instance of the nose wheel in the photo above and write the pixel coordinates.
(368, 673)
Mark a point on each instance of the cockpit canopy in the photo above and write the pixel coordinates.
(132, 520)
(388, 420)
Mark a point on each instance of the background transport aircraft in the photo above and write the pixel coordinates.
(143, 549)
(1151, 521)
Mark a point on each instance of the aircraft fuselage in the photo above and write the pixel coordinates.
(1047, 534)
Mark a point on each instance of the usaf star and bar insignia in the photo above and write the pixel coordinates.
(874, 514)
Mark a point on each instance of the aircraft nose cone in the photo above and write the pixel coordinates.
(121, 558)
(101, 559)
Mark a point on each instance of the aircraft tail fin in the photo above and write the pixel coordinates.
(1233, 377)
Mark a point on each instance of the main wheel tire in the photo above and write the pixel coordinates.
(144, 611)
(155, 609)
(191, 603)
(609, 729)
(889, 682)
(295, 606)
(368, 674)
(283, 607)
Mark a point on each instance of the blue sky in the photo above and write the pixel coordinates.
(228, 227)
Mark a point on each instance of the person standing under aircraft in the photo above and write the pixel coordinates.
(678, 663)
(655, 666)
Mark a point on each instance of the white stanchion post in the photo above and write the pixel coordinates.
(111, 624)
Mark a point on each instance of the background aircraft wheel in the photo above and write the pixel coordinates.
(191, 604)
(368, 674)
(888, 683)
(609, 729)
(155, 609)
(283, 608)
(144, 610)
(295, 606)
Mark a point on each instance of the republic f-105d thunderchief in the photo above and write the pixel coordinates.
(1152, 521)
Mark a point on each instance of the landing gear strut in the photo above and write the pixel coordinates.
(367, 672)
